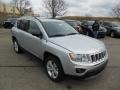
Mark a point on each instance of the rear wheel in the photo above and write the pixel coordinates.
(16, 46)
(54, 69)
(112, 34)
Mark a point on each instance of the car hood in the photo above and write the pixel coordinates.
(78, 43)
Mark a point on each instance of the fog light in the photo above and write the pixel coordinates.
(80, 70)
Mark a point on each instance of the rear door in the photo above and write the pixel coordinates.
(22, 27)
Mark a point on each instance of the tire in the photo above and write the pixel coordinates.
(87, 33)
(54, 69)
(112, 34)
(16, 47)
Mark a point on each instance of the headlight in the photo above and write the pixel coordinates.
(80, 57)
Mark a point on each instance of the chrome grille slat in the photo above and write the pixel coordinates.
(98, 56)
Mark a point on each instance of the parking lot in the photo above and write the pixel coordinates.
(25, 72)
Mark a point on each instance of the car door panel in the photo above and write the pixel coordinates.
(33, 43)
(21, 24)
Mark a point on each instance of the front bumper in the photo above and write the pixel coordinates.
(96, 70)
(87, 70)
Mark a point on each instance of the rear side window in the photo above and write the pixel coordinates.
(23, 24)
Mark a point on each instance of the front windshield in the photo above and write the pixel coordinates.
(116, 24)
(58, 28)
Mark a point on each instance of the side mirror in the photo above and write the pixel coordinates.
(40, 35)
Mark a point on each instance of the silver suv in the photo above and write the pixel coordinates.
(61, 48)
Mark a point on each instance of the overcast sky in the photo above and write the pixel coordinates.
(80, 7)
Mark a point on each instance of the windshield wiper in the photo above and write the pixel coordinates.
(72, 33)
(58, 35)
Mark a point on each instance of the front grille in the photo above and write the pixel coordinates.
(98, 56)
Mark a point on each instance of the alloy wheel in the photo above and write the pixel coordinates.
(52, 69)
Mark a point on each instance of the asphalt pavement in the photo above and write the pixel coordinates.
(26, 72)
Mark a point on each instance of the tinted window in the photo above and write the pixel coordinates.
(23, 24)
(58, 28)
(33, 28)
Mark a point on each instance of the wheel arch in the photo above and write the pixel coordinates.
(46, 54)
(13, 38)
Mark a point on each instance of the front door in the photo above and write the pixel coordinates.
(32, 40)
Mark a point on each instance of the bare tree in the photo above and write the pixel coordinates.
(55, 7)
(116, 11)
(0, 6)
(21, 6)
(4, 8)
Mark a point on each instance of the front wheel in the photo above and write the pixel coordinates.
(54, 69)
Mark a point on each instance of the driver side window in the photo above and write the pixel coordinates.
(33, 28)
